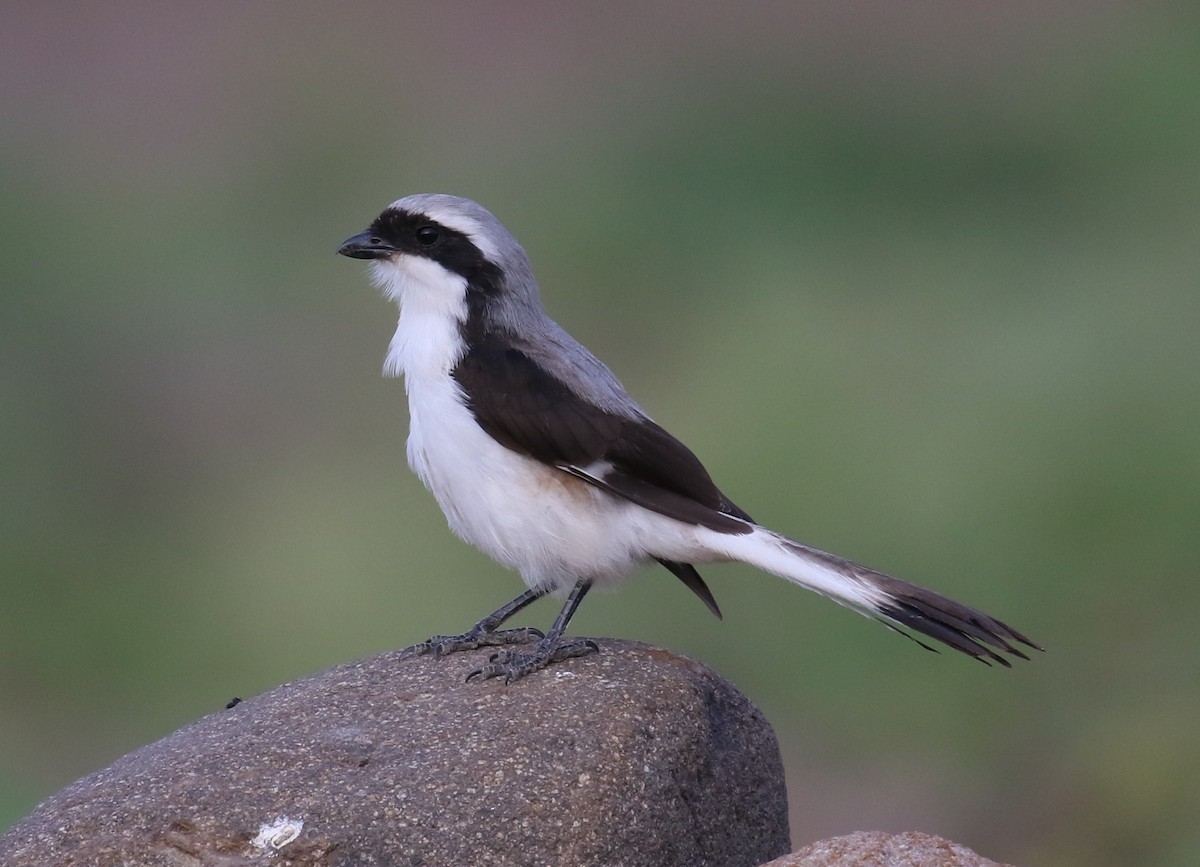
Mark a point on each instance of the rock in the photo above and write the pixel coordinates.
(632, 756)
(876, 849)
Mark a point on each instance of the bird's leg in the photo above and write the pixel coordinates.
(512, 665)
(485, 633)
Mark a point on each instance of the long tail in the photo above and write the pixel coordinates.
(893, 602)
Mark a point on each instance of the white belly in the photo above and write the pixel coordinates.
(551, 527)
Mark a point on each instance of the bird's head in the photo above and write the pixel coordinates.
(438, 250)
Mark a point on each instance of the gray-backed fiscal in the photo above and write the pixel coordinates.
(539, 457)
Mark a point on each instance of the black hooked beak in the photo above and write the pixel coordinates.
(366, 245)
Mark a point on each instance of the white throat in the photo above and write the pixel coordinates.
(433, 303)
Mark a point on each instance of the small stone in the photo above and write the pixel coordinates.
(876, 849)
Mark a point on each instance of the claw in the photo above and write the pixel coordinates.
(443, 645)
(513, 666)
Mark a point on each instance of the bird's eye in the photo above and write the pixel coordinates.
(427, 236)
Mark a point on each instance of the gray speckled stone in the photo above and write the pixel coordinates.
(632, 756)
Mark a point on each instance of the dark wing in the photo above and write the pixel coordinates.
(526, 409)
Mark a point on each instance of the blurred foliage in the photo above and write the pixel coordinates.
(920, 285)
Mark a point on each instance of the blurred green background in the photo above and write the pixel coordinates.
(920, 283)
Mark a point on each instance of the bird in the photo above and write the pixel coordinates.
(539, 457)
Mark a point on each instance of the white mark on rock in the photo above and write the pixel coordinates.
(277, 833)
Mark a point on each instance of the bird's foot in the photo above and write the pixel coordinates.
(513, 666)
(476, 636)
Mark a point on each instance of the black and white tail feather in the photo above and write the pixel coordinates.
(895, 603)
(539, 457)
